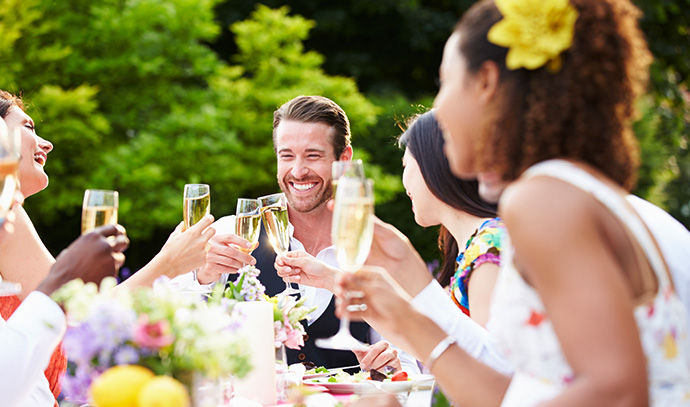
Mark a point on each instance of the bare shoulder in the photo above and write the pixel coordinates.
(542, 199)
(546, 218)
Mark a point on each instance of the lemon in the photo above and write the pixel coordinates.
(163, 391)
(119, 386)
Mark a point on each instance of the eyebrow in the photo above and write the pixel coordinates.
(309, 150)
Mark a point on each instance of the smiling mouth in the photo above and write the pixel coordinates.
(303, 186)
(40, 159)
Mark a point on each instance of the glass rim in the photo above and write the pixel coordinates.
(101, 197)
(277, 195)
(269, 195)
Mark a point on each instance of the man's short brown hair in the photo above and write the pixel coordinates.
(316, 109)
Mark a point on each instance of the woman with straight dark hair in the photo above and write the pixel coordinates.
(440, 198)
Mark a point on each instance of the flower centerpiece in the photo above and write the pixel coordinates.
(287, 312)
(160, 328)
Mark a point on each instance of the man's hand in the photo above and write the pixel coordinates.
(377, 356)
(91, 257)
(224, 257)
(303, 268)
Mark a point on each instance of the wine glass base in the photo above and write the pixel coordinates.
(341, 341)
(291, 291)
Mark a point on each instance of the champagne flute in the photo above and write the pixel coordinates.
(10, 147)
(99, 208)
(197, 204)
(352, 234)
(248, 222)
(275, 216)
(347, 168)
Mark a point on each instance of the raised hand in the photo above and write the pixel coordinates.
(370, 294)
(377, 356)
(303, 268)
(186, 251)
(92, 257)
(224, 257)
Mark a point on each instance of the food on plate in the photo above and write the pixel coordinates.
(316, 370)
(377, 376)
(401, 376)
(343, 377)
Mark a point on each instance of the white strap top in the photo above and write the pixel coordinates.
(522, 327)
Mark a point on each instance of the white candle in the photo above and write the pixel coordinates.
(260, 384)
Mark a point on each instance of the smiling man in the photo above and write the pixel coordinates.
(309, 134)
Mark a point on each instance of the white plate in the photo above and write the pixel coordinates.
(417, 382)
(315, 375)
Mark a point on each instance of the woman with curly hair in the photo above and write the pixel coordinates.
(540, 95)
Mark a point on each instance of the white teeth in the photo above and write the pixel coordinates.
(303, 187)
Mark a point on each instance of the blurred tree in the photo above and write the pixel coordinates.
(664, 127)
(387, 45)
(137, 102)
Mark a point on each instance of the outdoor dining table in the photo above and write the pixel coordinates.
(414, 398)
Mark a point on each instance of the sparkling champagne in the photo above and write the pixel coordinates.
(95, 216)
(353, 231)
(334, 185)
(276, 224)
(195, 208)
(248, 227)
(8, 184)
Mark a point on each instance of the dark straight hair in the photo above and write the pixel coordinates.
(424, 140)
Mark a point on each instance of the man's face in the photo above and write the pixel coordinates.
(305, 156)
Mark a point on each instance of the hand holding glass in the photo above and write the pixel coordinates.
(275, 216)
(352, 233)
(99, 208)
(197, 204)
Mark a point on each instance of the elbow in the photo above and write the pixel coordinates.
(625, 390)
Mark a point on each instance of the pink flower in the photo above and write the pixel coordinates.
(152, 335)
(294, 340)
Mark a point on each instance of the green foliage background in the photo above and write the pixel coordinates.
(144, 96)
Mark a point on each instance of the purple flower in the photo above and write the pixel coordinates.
(126, 355)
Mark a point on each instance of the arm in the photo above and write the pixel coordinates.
(182, 252)
(393, 251)
(433, 302)
(594, 323)
(30, 336)
(24, 258)
(303, 268)
(27, 341)
(465, 379)
(481, 285)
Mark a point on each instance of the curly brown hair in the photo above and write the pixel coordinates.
(583, 112)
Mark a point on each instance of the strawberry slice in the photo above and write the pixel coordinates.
(401, 376)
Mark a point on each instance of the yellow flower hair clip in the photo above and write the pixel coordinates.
(535, 32)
